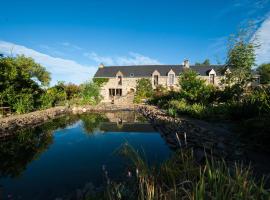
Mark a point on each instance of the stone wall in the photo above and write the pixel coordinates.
(186, 133)
(15, 122)
(129, 83)
(10, 124)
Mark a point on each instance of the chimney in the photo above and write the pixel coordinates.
(101, 66)
(186, 63)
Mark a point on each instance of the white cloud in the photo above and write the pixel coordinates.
(69, 45)
(263, 34)
(132, 59)
(61, 69)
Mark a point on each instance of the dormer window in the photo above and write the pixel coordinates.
(119, 78)
(171, 79)
(131, 75)
(155, 80)
(212, 79)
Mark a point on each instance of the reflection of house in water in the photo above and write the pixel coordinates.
(125, 122)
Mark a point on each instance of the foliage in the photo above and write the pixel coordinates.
(21, 83)
(100, 81)
(24, 103)
(53, 96)
(241, 57)
(91, 93)
(264, 71)
(254, 104)
(162, 101)
(160, 90)
(181, 177)
(204, 63)
(144, 89)
(72, 90)
(194, 89)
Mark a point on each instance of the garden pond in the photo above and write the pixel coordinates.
(61, 156)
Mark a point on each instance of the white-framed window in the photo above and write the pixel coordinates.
(155, 80)
(212, 78)
(171, 79)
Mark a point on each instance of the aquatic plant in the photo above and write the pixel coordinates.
(181, 177)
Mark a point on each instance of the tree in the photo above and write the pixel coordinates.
(204, 63)
(264, 71)
(240, 60)
(144, 89)
(194, 89)
(241, 55)
(21, 82)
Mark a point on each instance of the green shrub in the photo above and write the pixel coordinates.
(24, 103)
(197, 110)
(90, 93)
(163, 100)
(52, 97)
(144, 90)
(194, 89)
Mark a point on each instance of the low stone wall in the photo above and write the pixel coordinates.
(103, 107)
(9, 124)
(186, 133)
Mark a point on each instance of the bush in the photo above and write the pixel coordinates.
(24, 103)
(144, 90)
(163, 100)
(52, 97)
(90, 93)
(181, 107)
(194, 89)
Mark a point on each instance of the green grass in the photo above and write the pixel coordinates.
(181, 177)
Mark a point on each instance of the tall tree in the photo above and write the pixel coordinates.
(21, 81)
(241, 54)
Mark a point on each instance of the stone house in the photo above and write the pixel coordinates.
(122, 79)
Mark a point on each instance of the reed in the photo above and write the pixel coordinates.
(181, 177)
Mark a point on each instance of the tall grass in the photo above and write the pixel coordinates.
(181, 177)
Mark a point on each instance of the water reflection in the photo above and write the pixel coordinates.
(26, 145)
(66, 153)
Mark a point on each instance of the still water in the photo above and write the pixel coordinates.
(61, 156)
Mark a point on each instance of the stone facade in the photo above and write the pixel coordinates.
(128, 84)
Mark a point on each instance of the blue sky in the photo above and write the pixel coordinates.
(70, 38)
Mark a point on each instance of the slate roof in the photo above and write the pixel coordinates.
(147, 70)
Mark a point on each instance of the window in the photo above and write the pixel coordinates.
(112, 92)
(115, 92)
(171, 79)
(119, 80)
(131, 75)
(155, 80)
(212, 78)
(118, 92)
